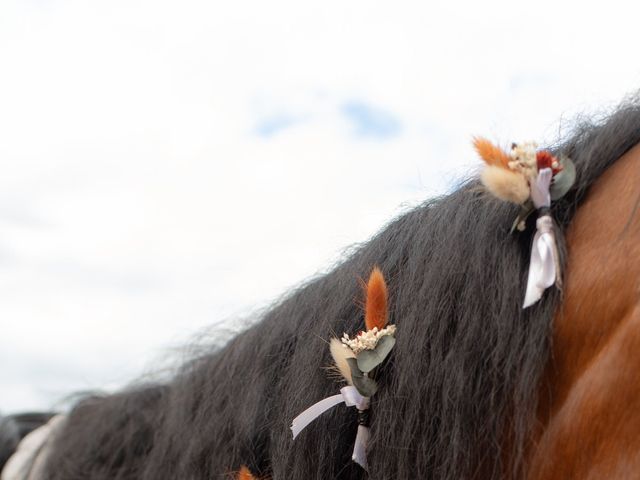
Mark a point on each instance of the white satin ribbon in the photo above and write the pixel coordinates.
(544, 251)
(360, 446)
(539, 188)
(350, 396)
(542, 266)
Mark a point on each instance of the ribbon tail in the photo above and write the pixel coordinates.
(556, 264)
(360, 447)
(546, 249)
(542, 267)
(314, 411)
(533, 293)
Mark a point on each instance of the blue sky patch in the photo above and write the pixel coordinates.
(369, 121)
(269, 126)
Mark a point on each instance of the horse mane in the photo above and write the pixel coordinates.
(458, 395)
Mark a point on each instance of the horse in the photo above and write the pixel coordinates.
(476, 387)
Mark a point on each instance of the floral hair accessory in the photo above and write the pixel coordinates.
(530, 178)
(508, 176)
(355, 359)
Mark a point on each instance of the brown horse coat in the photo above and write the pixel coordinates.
(590, 395)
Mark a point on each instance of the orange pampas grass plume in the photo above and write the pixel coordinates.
(245, 474)
(376, 306)
(491, 154)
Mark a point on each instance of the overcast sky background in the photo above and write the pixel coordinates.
(168, 165)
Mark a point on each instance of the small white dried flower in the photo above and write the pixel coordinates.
(523, 159)
(367, 340)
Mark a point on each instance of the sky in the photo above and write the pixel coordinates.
(171, 168)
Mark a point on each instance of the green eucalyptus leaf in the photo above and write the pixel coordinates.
(353, 365)
(370, 359)
(365, 385)
(563, 180)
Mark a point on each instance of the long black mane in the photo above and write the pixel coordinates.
(457, 398)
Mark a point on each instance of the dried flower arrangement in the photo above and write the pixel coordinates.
(530, 178)
(356, 358)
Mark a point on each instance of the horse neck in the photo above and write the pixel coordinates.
(590, 396)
